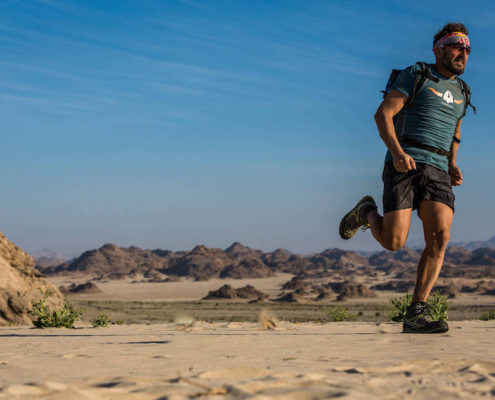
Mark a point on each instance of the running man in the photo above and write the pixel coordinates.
(422, 138)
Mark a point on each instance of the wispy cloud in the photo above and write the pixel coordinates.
(46, 71)
(47, 101)
(22, 88)
(175, 89)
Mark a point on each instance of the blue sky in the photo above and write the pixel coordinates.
(166, 124)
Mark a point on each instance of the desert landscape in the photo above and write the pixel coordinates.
(240, 323)
(181, 180)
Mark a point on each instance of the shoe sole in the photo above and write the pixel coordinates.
(342, 221)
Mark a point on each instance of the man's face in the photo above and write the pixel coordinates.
(454, 57)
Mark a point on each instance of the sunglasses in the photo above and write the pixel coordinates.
(460, 46)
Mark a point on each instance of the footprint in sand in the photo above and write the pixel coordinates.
(26, 390)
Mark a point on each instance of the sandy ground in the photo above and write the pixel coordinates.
(241, 361)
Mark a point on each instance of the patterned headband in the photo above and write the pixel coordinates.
(453, 37)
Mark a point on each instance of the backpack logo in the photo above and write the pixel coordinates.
(447, 96)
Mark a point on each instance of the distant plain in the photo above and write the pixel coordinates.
(158, 302)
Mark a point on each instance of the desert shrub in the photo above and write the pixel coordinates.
(439, 304)
(118, 322)
(61, 318)
(488, 315)
(102, 320)
(399, 307)
(340, 314)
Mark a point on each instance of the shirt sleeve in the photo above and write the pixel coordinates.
(405, 81)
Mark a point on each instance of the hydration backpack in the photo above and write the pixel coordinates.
(421, 77)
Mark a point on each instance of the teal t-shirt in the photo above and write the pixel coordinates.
(432, 117)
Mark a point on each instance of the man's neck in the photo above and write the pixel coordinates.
(444, 71)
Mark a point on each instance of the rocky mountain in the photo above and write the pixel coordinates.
(21, 285)
(239, 251)
(248, 267)
(43, 263)
(482, 256)
(201, 263)
(490, 243)
(46, 253)
(389, 261)
(112, 262)
(239, 262)
(337, 259)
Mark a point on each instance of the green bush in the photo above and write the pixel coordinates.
(488, 315)
(340, 314)
(61, 318)
(439, 305)
(102, 320)
(399, 307)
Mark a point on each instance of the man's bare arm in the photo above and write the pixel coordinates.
(454, 170)
(391, 105)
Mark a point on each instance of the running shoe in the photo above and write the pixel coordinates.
(356, 218)
(417, 320)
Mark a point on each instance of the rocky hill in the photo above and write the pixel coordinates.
(239, 262)
(490, 243)
(229, 293)
(113, 262)
(21, 285)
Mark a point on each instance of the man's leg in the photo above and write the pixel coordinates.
(437, 219)
(392, 229)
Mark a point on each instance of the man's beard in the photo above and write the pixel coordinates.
(450, 66)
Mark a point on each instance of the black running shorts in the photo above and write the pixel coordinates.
(406, 189)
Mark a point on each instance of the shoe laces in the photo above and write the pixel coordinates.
(425, 309)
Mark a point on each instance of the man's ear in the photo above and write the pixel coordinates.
(438, 52)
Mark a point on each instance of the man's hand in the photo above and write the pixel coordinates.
(455, 175)
(404, 163)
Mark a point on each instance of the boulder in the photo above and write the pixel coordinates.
(229, 293)
(290, 297)
(21, 285)
(80, 288)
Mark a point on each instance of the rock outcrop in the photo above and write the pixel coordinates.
(21, 285)
(80, 288)
(291, 297)
(227, 292)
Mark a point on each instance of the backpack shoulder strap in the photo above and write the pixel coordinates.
(467, 95)
(421, 77)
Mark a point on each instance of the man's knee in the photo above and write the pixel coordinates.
(394, 243)
(438, 241)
